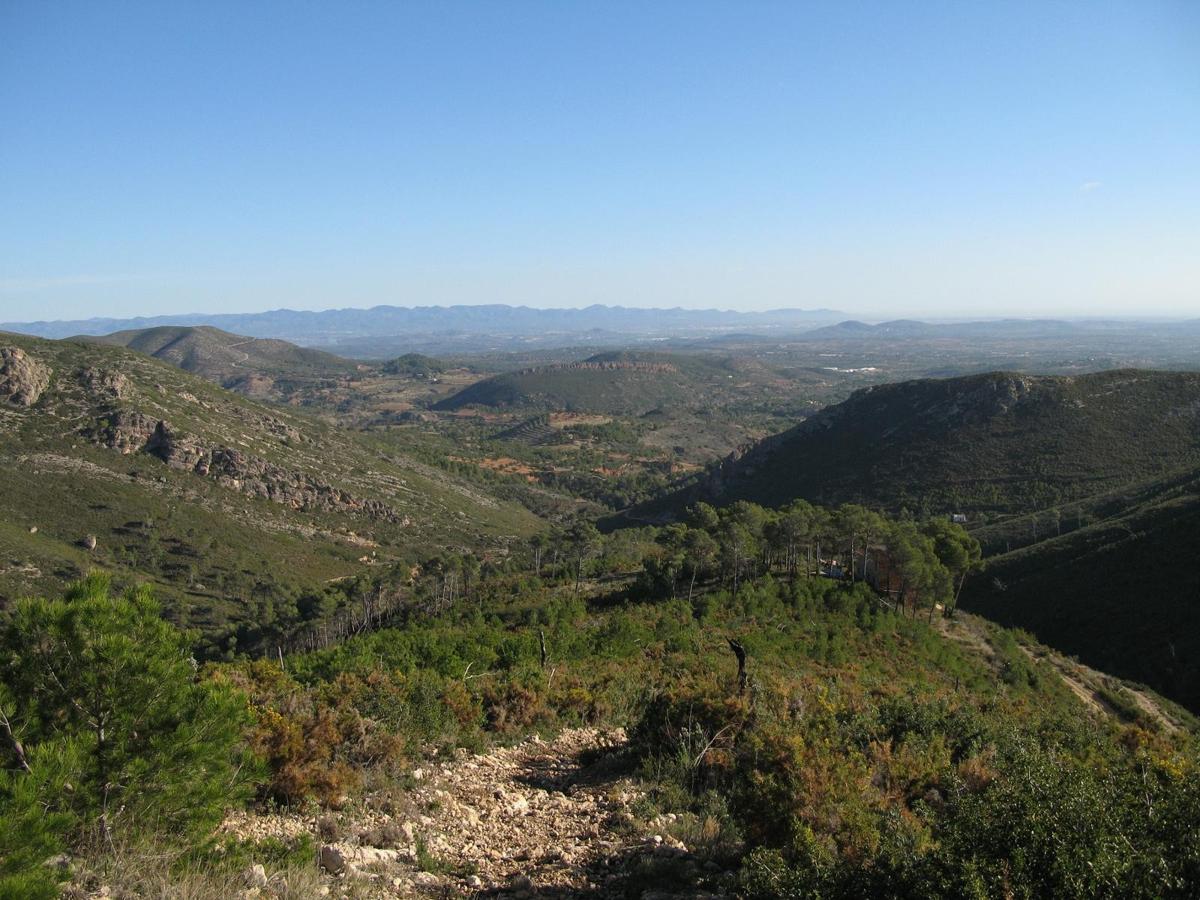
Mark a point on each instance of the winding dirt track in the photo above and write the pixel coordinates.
(1081, 680)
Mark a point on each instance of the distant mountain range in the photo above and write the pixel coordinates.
(383, 332)
(337, 326)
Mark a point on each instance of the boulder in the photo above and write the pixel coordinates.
(60, 863)
(521, 886)
(375, 856)
(256, 876)
(22, 378)
(104, 384)
(125, 431)
(332, 860)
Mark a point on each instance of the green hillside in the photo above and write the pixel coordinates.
(417, 365)
(1122, 593)
(256, 366)
(237, 512)
(626, 383)
(988, 445)
(788, 737)
(750, 722)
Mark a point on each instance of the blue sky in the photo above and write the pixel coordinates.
(883, 158)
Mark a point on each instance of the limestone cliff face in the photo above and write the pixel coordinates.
(133, 432)
(126, 431)
(104, 384)
(22, 378)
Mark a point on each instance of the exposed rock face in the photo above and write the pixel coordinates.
(257, 477)
(22, 378)
(104, 384)
(177, 450)
(128, 432)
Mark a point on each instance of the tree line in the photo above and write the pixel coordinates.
(918, 565)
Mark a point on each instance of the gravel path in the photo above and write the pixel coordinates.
(543, 819)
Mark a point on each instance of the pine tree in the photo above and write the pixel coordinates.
(152, 743)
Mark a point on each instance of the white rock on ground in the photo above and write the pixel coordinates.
(513, 822)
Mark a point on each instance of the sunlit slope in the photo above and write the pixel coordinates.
(217, 498)
(625, 383)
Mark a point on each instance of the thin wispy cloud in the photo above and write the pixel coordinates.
(1088, 186)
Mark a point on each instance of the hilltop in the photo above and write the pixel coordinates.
(257, 367)
(988, 444)
(236, 511)
(624, 383)
(345, 392)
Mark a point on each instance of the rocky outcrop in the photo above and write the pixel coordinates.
(128, 431)
(22, 378)
(104, 384)
(257, 477)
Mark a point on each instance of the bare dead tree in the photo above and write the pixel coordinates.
(740, 652)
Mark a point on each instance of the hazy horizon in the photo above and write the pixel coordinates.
(933, 161)
(837, 314)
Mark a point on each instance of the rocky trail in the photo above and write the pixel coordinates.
(549, 819)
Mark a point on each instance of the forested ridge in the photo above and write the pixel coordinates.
(992, 444)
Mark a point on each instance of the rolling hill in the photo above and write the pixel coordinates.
(992, 444)
(626, 383)
(112, 458)
(1123, 593)
(260, 367)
